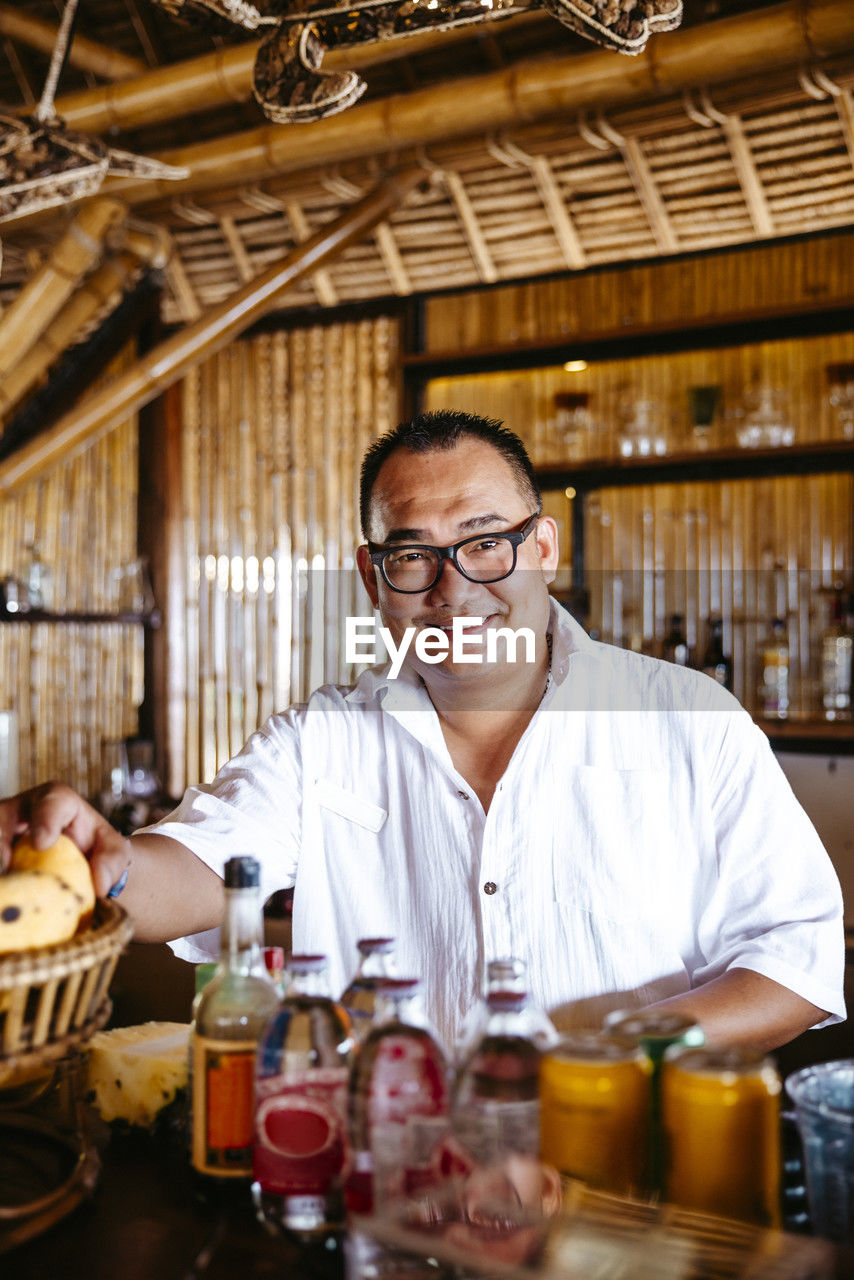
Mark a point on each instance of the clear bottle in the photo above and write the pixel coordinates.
(300, 1129)
(837, 643)
(675, 642)
(232, 1011)
(774, 664)
(360, 997)
(398, 1100)
(507, 974)
(496, 1107)
(715, 663)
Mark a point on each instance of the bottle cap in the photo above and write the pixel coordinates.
(505, 968)
(375, 946)
(242, 873)
(400, 988)
(274, 959)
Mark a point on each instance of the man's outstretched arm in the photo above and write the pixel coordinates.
(169, 891)
(744, 1009)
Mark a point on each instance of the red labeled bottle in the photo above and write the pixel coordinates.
(300, 1157)
(398, 1101)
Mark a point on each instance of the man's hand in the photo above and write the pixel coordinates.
(53, 809)
(170, 892)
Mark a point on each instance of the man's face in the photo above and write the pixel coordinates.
(438, 498)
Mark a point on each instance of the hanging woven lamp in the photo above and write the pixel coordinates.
(289, 81)
(43, 164)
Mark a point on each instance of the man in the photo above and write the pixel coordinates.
(617, 822)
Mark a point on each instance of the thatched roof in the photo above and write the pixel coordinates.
(543, 154)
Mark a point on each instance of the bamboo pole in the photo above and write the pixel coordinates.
(91, 296)
(85, 54)
(171, 359)
(44, 295)
(225, 76)
(729, 49)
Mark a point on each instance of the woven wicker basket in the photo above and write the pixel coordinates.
(54, 998)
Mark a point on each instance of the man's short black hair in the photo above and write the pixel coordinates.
(442, 429)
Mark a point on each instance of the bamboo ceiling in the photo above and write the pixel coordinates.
(636, 176)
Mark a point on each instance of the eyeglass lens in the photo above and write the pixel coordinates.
(417, 568)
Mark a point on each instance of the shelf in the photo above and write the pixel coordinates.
(819, 458)
(32, 616)
(812, 737)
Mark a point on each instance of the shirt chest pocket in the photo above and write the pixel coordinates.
(612, 848)
(333, 799)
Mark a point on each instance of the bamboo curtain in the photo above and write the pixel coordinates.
(274, 430)
(74, 684)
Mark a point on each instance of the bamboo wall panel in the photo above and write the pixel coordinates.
(747, 550)
(274, 430)
(74, 685)
(769, 279)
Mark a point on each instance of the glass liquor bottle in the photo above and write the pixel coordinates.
(836, 651)
(398, 1100)
(675, 642)
(232, 1011)
(774, 664)
(496, 1109)
(301, 1106)
(507, 974)
(715, 663)
(360, 997)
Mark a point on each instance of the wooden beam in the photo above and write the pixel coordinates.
(392, 260)
(477, 246)
(559, 216)
(730, 49)
(649, 195)
(86, 55)
(322, 281)
(225, 76)
(169, 361)
(45, 294)
(748, 178)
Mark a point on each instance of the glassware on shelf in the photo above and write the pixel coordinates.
(766, 421)
(715, 662)
(39, 581)
(703, 405)
(573, 421)
(675, 648)
(644, 431)
(840, 378)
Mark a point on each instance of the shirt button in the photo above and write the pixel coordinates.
(464, 795)
(490, 887)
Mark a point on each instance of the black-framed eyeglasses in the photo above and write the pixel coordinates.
(484, 557)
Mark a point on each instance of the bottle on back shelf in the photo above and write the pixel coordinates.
(360, 997)
(675, 647)
(715, 663)
(496, 1109)
(774, 667)
(505, 974)
(836, 649)
(301, 1148)
(232, 1011)
(398, 1100)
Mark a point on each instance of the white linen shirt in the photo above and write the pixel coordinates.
(642, 840)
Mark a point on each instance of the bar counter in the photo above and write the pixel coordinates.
(147, 1221)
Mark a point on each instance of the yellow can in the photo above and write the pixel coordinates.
(721, 1115)
(594, 1112)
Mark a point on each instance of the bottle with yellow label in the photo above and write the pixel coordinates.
(233, 1010)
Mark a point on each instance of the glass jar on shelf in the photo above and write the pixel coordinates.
(643, 433)
(703, 403)
(774, 692)
(840, 379)
(766, 420)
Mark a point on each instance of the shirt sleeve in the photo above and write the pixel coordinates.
(775, 905)
(253, 806)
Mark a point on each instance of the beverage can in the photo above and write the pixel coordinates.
(594, 1112)
(654, 1031)
(721, 1120)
